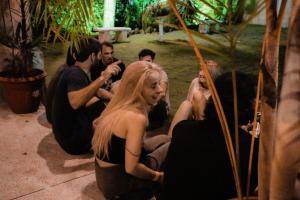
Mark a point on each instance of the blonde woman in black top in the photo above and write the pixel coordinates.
(124, 164)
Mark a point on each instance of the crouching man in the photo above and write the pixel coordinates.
(75, 103)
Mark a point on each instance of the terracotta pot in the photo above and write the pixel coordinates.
(23, 95)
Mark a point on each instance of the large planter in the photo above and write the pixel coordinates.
(23, 95)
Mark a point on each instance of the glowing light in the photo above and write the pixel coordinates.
(109, 13)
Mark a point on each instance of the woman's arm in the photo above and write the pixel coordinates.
(134, 141)
(194, 86)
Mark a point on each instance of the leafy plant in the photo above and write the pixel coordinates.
(60, 14)
(68, 21)
(129, 12)
(152, 11)
(17, 38)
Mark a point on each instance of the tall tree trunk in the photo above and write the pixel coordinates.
(286, 162)
(269, 94)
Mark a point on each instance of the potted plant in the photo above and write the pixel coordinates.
(21, 84)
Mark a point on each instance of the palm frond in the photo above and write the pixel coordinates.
(74, 16)
(209, 39)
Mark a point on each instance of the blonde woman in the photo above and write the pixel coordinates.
(125, 164)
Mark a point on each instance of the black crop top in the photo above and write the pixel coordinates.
(116, 151)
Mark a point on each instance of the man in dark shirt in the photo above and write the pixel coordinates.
(197, 164)
(75, 103)
(106, 58)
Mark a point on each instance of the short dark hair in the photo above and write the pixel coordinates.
(147, 52)
(246, 92)
(108, 44)
(86, 48)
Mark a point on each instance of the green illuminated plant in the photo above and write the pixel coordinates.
(66, 20)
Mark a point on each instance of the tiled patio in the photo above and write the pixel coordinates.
(33, 166)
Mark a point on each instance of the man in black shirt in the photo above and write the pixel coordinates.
(75, 103)
(106, 58)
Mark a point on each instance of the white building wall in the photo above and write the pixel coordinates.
(261, 18)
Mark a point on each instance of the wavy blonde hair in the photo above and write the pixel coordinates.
(128, 97)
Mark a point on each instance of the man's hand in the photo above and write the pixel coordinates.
(111, 69)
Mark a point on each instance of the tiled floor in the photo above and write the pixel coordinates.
(33, 166)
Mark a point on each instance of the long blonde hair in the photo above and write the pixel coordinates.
(128, 97)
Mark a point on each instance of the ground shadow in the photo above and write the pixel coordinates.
(58, 161)
(5, 111)
(42, 120)
(92, 192)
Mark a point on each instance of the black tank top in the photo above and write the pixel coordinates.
(116, 151)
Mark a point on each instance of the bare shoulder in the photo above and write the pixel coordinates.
(136, 124)
(195, 80)
(135, 117)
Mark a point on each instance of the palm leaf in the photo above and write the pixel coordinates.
(209, 39)
(208, 49)
(74, 14)
(259, 8)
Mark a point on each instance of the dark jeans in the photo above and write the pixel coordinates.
(114, 181)
(80, 141)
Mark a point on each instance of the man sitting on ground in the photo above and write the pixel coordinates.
(75, 104)
(106, 58)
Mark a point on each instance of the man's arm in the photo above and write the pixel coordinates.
(82, 96)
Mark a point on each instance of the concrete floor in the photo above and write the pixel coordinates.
(33, 166)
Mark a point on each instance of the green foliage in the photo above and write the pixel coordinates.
(66, 20)
(129, 12)
(70, 11)
(250, 6)
(98, 9)
(195, 11)
(216, 16)
(149, 15)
